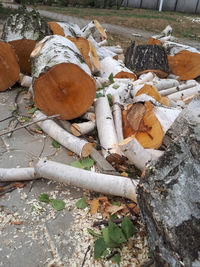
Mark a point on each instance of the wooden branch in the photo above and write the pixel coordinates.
(117, 116)
(71, 142)
(106, 130)
(106, 184)
(83, 128)
(17, 174)
(188, 84)
(28, 124)
(185, 93)
(90, 116)
(165, 84)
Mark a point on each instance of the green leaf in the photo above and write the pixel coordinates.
(111, 78)
(98, 95)
(25, 119)
(77, 164)
(116, 259)
(116, 203)
(127, 227)
(32, 110)
(87, 163)
(116, 86)
(93, 233)
(58, 204)
(55, 144)
(109, 96)
(115, 233)
(113, 217)
(44, 198)
(99, 248)
(81, 203)
(11, 108)
(109, 243)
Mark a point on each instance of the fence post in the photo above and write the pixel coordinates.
(161, 5)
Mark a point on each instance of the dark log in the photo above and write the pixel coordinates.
(168, 195)
(146, 58)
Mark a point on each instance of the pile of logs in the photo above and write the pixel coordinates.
(73, 73)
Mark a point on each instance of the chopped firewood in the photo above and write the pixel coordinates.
(65, 29)
(78, 146)
(23, 49)
(58, 90)
(139, 120)
(95, 29)
(117, 68)
(185, 64)
(148, 58)
(9, 67)
(106, 130)
(83, 128)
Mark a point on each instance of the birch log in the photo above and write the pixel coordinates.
(25, 80)
(106, 130)
(117, 116)
(188, 84)
(106, 184)
(9, 67)
(118, 69)
(181, 95)
(95, 29)
(65, 29)
(79, 129)
(63, 83)
(71, 142)
(17, 174)
(165, 84)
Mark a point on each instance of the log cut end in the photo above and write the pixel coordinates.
(9, 67)
(126, 75)
(185, 64)
(64, 89)
(100, 29)
(56, 28)
(94, 57)
(23, 49)
(86, 150)
(153, 41)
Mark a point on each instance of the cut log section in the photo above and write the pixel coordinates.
(185, 64)
(25, 25)
(139, 120)
(9, 67)
(181, 95)
(71, 142)
(148, 58)
(25, 81)
(79, 129)
(168, 195)
(106, 130)
(63, 83)
(171, 90)
(65, 29)
(110, 65)
(95, 29)
(23, 49)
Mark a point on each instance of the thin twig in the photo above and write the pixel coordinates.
(5, 119)
(88, 249)
(112, 254)
(10, 134)
(29, 124)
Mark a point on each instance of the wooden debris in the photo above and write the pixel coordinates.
(57, 90)
(117, 116)
(82, 128)
(148, 58)
(78, 146)
(95, 29)
(9, 67)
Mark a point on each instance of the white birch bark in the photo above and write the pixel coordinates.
(90, 116)
(16, 174)
(135, 153)
(188, 84)
(25, 80)
(53, 50)
(110, 65)
(117, 116)
(71, 142)
(106, 184)
(165, 84)
(95, 29)
(185, 93)
(106, 129)
(70, 29)
(115, 49)
(79, 129)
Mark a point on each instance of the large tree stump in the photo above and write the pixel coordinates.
(168, 194)
(62, 80)
(22, 30)
(146, 58)
(9, 67)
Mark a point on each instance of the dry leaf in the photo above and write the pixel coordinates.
(94, 205)
(70, 153)
(113, 209)
(1, 188)
(18, 185)
(125, 174)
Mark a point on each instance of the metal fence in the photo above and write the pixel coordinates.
(187, 6)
